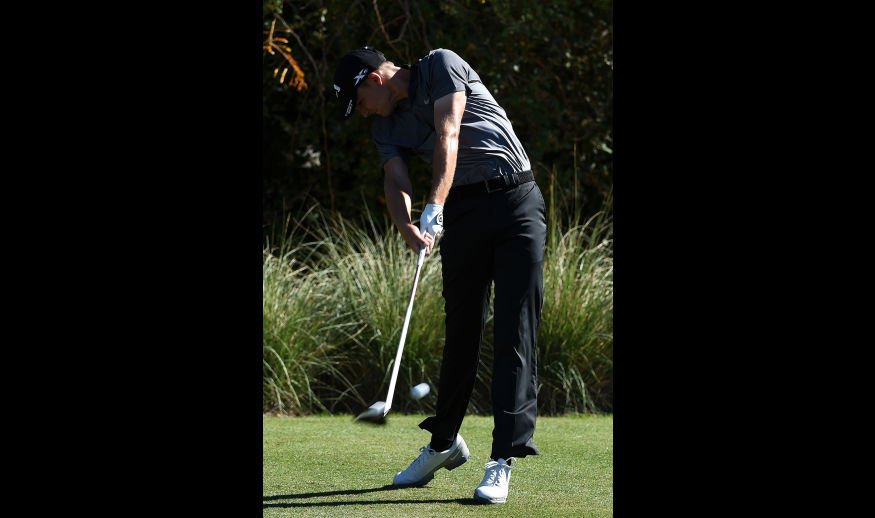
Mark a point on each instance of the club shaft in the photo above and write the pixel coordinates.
(397, 364)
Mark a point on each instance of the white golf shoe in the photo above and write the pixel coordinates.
(421, 470)
(493, 488)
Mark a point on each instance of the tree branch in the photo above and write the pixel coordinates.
(380, 22)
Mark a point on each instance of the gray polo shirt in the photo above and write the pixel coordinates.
(488, 146)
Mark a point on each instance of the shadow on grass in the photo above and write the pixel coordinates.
(269, 498)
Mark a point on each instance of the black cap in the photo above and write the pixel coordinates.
(353, 68)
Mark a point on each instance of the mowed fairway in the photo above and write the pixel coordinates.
(330, 466)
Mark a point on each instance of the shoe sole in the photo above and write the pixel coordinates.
(484, 500)
(453, 461)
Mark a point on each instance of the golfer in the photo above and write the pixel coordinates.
(484, 201)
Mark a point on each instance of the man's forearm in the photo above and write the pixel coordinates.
(398, 191)
(446, 147)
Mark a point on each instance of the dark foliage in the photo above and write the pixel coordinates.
(550, 66)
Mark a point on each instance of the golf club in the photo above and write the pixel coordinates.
(376, 413)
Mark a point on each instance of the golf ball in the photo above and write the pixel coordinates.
(419, 391)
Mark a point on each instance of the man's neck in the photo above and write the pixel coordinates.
(399, 83)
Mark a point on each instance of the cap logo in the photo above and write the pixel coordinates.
(360, 76)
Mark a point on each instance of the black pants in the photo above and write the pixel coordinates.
(496, 237)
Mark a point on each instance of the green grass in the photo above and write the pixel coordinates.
(329, 466)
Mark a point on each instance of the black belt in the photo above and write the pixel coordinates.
(499, 183)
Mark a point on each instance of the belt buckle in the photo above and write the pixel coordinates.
(506, 184)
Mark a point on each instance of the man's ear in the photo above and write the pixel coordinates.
(376, 77)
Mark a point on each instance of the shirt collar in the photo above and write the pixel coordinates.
(414, 80)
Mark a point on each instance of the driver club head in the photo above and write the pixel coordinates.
(375, 414)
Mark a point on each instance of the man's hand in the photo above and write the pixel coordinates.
(416, 239)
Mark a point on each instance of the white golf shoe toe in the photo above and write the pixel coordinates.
(493, 488)
(422, 469)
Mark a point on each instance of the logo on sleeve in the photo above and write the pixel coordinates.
(336, 91)
(440, 219)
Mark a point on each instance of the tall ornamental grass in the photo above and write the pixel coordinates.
(303, 338)
(334, 298)
(575, 339)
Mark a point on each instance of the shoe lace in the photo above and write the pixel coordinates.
(424, 453)
(495, 475)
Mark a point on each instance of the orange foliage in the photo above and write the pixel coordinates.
(275, 45)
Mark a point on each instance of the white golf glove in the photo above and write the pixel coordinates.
(432, 220)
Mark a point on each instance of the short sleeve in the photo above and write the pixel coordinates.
(449, 73)
(387, 151)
